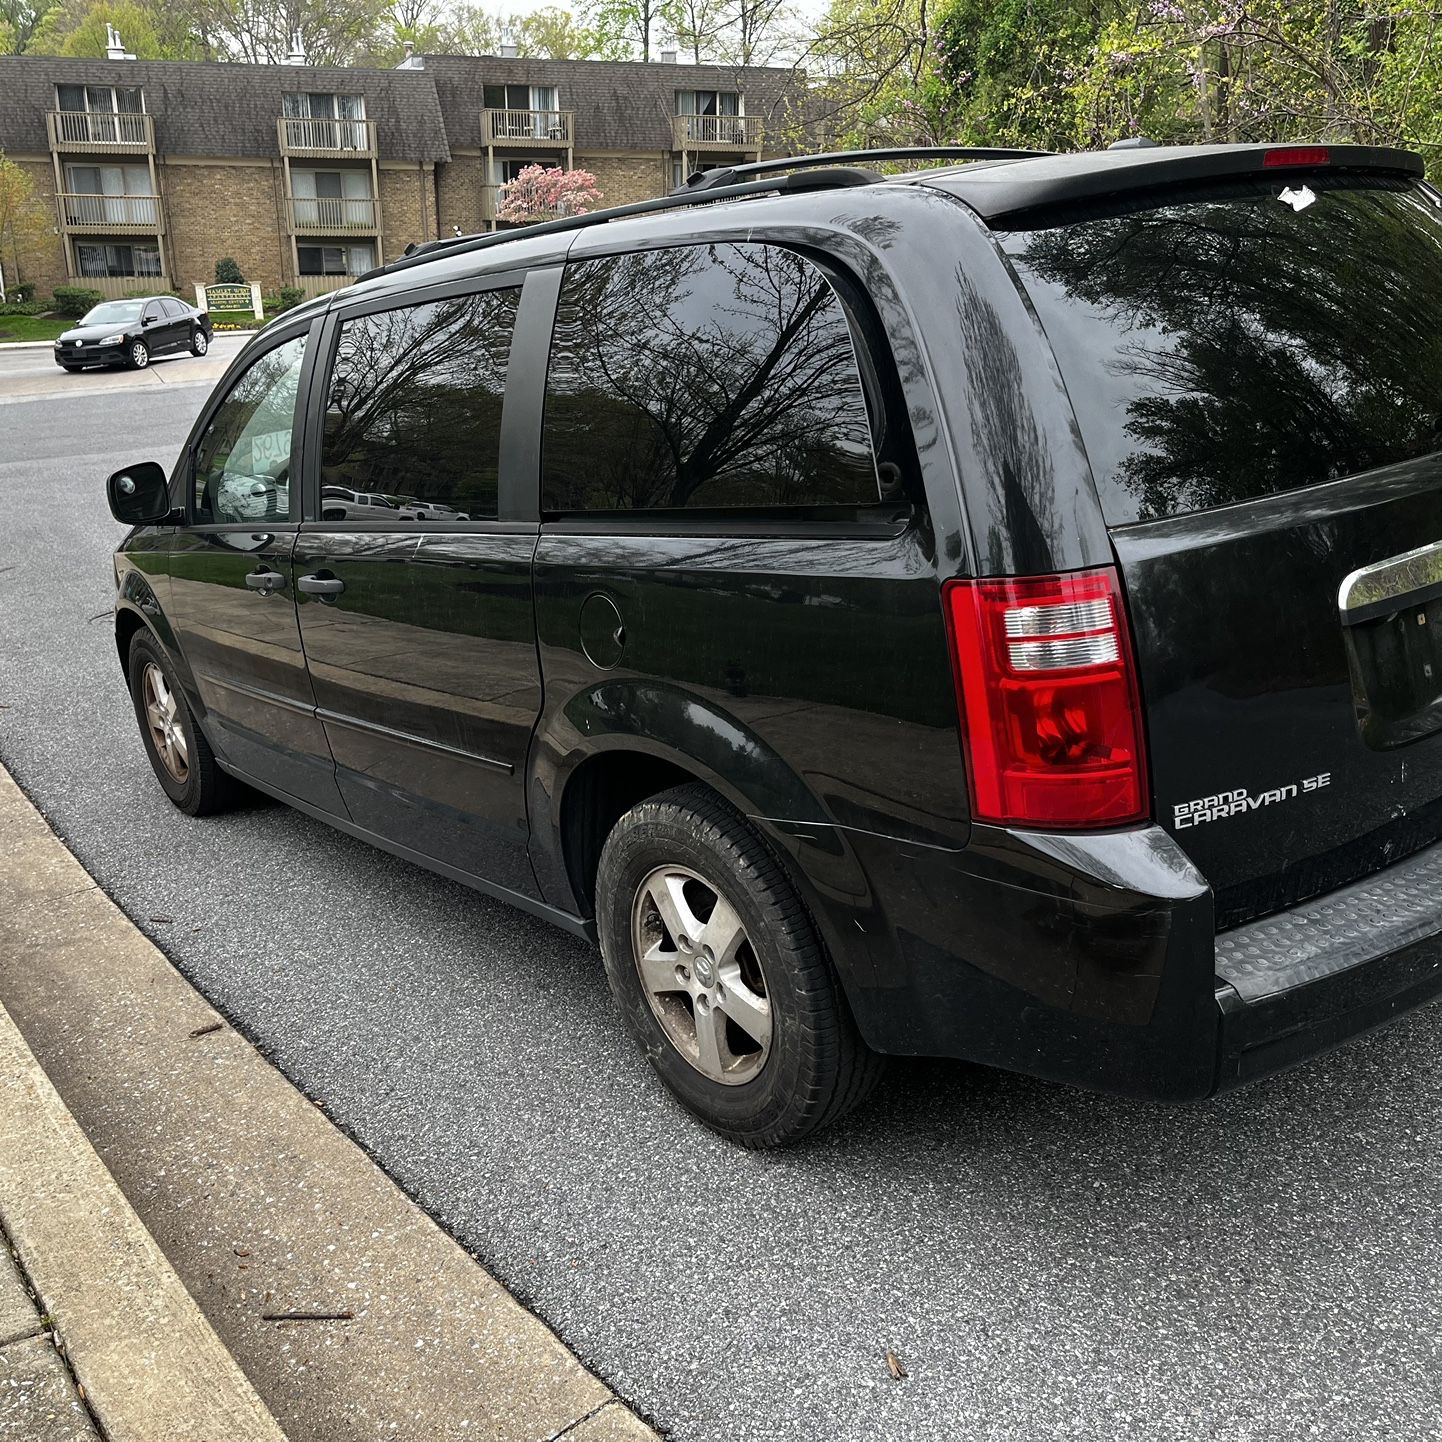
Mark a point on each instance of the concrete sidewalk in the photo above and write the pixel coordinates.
(323, 1299)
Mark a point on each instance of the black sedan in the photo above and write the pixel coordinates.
(130, 332)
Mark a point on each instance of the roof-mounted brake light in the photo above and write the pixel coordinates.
(1291, 156)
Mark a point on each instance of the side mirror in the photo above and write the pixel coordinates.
(139, 495)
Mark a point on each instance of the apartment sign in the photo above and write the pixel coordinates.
(229, 297)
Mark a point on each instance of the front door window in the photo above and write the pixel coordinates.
(242, 463)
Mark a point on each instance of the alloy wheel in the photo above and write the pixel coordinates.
(140, 355)
(162, 708)
(200, 345)
(701, 975)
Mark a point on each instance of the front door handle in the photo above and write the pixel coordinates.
(265, 582)
(322, 586)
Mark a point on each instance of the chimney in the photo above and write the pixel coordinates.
(114, 50)
(668, 57)
(510, 52)
(297, 50)
(412, 60)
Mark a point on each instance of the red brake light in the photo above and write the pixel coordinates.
(1048, 699)
(1294, 155)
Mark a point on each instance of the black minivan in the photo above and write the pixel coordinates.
(992, 611)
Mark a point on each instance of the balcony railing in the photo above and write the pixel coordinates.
(493, 197)
(527, 127)
(327, 137)
(331, 215)
(110, 212)
(716, 132)
(103, 130)
(121, 287)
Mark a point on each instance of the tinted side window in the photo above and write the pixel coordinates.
(717, 376)
(242, 461)
(414, 403)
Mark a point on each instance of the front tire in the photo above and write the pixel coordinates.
(179, 754)
(720, 975)
(198, 342)
(138, 355)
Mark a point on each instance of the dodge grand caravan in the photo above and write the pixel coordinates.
(992, 611)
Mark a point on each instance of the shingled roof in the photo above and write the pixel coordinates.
(213, 108)
(619, 104)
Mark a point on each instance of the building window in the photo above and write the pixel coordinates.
(335, 259)
(708, 102)
(109, 195)
(718, 378)
(413, 407)
(335, 200)
(118, 260)
(321, 120)
(100, 99)
(323, 105)
(680, 174)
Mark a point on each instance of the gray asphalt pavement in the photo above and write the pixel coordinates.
(1046, 1264)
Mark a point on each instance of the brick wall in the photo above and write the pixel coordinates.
(622, 181)
(45, 263)
(458, 195)
(408, 209)
(217, 210)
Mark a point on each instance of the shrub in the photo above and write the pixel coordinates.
(227, 272)
(22, 292)
(75, 300)
(24, 307)
(287, 298)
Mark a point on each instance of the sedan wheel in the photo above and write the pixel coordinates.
(198, 343)
(139, 354)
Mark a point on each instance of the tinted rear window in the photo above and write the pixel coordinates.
(1237, 343)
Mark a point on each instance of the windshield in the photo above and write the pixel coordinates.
(1245, 340)
(114, 312)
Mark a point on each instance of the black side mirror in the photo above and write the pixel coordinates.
(139, 495)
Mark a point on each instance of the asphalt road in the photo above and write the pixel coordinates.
(1046, 1264)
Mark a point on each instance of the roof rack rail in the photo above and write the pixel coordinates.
(829, 179)
(709, 179)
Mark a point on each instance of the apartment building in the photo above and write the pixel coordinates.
(310, 176)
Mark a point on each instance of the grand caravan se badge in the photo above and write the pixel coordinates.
(1239, 802)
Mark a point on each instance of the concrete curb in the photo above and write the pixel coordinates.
(150, 1364)
(354, 1316)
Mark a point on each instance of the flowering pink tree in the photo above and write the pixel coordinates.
(540, 192)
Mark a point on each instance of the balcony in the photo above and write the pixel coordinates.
(492, 199)
(355, 139)
(107, 132)
(99, 214)
(550, 128)
(715, 132)
(331, 215)
(122, 287)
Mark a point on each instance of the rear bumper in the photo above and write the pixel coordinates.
(1303, 981)
(1093, 960)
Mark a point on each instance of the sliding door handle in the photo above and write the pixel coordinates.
(266, 582)
(322, 586)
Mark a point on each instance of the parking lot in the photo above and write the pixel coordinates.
(1044, 1263)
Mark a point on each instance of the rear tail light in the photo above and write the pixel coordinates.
(1048, 700)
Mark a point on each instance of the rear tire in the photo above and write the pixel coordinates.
(179, 754)
(198, 342)
(739, 1011)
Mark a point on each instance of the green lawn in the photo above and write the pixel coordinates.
(31, 327)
